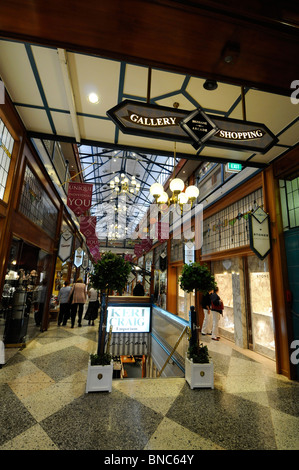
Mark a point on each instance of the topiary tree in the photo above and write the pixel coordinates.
(110, 273)
(198, 277)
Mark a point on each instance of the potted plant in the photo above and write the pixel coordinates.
(110, 273)
(199, 369)
(99, 373)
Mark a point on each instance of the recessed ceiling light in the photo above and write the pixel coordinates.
(93, 98)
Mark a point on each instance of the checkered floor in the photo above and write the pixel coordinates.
(44, 405)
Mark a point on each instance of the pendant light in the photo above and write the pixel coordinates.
(177, 186)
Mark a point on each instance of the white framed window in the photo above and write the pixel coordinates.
(6, 146)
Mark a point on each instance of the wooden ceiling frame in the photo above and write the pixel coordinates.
(249, 44)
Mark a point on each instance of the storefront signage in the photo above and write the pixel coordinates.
(232, 167)
(129, 319)
(148, 120)
(199, 126)
(229, 133)
(85, 261)
(79, 197)
(260, 238)
(189, 253)
(65, 245)
(196, 128)
(88, 226)
(79, 253)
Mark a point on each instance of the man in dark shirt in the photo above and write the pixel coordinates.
(138, 289)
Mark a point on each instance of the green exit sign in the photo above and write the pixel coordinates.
(233, 167)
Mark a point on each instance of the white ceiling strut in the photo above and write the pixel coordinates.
(69, 92)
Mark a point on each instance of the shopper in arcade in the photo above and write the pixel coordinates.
(78, 299)
(138, 289)
(64, 307)
(93, 306)
(41, 299)
(217, 309)
(208, 318)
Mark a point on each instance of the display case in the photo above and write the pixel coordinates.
(261, 307)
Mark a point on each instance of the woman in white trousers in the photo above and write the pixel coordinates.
(206, 328)
(216, 302)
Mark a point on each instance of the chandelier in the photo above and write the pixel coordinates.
(180, 195)
(125, 184)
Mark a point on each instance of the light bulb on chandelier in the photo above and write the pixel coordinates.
(125, 185)
(179, 196)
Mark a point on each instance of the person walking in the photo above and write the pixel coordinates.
(64, 306)
(217, 308)
(138, 289)
(41, 299)
(79, 298)
(208, 318)
(93, 306)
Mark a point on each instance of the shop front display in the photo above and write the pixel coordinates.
(24, 292)
(261, 307)
(244, 287)
(160, 275)
(242, 278)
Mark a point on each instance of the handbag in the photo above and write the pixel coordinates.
(219, 307)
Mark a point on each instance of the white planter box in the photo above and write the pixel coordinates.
(99, 378)
(199, 375)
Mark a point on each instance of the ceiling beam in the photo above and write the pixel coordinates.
(69, 92)
(191, 37)
(151, 151)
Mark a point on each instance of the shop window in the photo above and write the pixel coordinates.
(176, 250)
(289, 197)
(227, 277)
(20, 308)
(160, 275)
(204, 170)
(261, 307)
(6, 146)
(36, 204)
(229, 228)
(211, 182)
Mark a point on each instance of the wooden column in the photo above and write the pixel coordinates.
(278, 276)
(171, 297)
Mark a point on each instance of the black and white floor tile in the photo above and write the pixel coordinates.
(44, 405)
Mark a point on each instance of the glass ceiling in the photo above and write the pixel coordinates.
(118, 213)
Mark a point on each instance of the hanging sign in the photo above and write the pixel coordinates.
(162, 231)
(229, 133)
(148, 120)
(232, 167)
(79, 197)
(189, 253)
(163, 262)
(65, 245)
(259, 230)
(93, 246)
(196, 128)
(138, 250)
(199, 126)
(88, 226)
(85, 261)
(79, 253)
